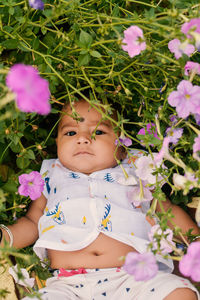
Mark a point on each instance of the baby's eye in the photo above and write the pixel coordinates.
(70, 133)
(99, 132)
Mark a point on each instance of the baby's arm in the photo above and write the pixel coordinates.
(25, 230)
(181, 218)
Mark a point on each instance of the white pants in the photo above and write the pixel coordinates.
(111, 284)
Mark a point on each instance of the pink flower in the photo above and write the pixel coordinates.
(179, 49)
(32, 91)
(151, 129)
(196, 146)
(133, 40)
(192, 25)
(190, 263)
(174, 134)
(161, 240)
(142, 266)
(125, 141)
(32, 185)
(192, 67)
(139, 194)
(186, 99)
(192, 30)
(164, 151)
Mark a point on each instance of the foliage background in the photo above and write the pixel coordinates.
(76, 46)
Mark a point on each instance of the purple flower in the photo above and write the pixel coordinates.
(142, 266)
(164, 239)
(133, 38)
(32, 185)
(186, 99)
(179, 49)
(37, 4)
(173, 119)
(125, 141)
(151, 129)
(196, 146)
(190, 263)
(192, 30)
(174, 134)
(192, 66)
(32, 91)
(197, 118)
(139, 194)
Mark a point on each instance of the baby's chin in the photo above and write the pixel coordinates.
(87, 167)
(85, 170)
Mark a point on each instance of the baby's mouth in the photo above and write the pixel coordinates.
(82, 153)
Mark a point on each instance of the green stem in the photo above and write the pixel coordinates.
(3, 153)
(143, 3)
(51, 132)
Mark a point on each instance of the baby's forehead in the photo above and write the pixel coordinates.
(67, 120)
(84, 112)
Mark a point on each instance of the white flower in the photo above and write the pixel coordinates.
(145, 167)
(165, 239)
(179, 181)
(139, 194)
(131, 180)
(26, 281)
(185, 183)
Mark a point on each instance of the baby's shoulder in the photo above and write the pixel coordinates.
(48, 165)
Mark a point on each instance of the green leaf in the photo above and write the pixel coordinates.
(11, 11)
(83, 59)
(22, 162)
(29, 154)
(4, 172)
(47, 12)
(116, 11)
(15, 148)
(84, 52)
(44, 30)
(15, 137)
(8, 28)
(36, 43)
(10, 44)
(95, 54)
(22, 46)
(10, 186)
(85, 39)
(2, 199)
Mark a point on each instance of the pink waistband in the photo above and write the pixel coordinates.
(66, 273)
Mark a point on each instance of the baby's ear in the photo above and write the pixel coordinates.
(122, 152)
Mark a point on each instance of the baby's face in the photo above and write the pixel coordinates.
(76, 149)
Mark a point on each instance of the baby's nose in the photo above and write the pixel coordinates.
(84, 138)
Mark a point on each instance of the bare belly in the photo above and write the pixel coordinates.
(104, 252)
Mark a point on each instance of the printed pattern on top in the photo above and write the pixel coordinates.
(80, 206)
(106, 224)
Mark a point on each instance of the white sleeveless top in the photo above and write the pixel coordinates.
(81, 206)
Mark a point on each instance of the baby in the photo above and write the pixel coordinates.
(83, 221)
